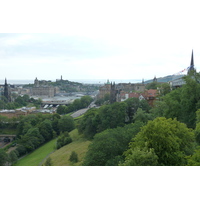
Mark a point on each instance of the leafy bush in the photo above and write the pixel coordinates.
(63, 140)
(73, 157)
(48, 162)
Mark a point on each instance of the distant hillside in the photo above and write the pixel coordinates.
(165, 79)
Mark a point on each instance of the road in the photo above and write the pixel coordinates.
(79, 112)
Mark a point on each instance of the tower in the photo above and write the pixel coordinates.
(191, 67)
(7, 91)
(112, 93)
(155, 79)
(36, 83)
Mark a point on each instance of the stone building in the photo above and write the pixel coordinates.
(103, 90)
(43, 89)
(114, 90)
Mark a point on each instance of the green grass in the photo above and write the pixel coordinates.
(36, 157)
(80, 145)
(61, 156)
(75, 135)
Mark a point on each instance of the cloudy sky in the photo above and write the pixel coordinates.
(98, 39)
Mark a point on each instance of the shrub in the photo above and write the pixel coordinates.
(73, 157)
(48, 162)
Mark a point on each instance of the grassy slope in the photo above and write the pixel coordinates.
(79, 145)
(37, 156)
(61, 156)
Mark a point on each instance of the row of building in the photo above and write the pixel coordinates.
(40, 88)
(24, 111)
(122, 91)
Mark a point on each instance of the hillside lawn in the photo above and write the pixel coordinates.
(80, 145)
(59, 157)
(36, 157)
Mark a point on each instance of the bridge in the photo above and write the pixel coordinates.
(7, 138)
(55, 103)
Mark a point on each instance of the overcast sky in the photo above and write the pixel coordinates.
(98, 39)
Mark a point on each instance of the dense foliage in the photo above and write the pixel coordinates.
(63, 140)
(181, 103)
(168, 140)
(35, 130)
(111, 116)
(19, 102)
(108, 146)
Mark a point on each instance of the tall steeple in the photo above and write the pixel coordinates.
(192, 60)
(191, 67)
(7, 91)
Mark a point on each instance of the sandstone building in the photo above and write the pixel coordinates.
(114, 90)
(43, 89)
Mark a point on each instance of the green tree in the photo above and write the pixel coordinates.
(20, 101)
(85, 101)
(2, 104)
(89, 122)
(21, 150)
(152, 85)
(48, 162)
(133, 105)
(112, 115)
(61, 109)
(73, 157)
(3, 157)
(66, 123)
(108, 146)
(190, 101)
(63, 140)
(26, 98)
(46, 130)
(141, 157)
(182, 103)
(77, 104)
(13, 157)
(164, 89)
(194, 160)
(171, 141)
(142, 116)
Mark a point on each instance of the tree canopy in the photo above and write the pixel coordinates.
(108, 146)
(170, 140)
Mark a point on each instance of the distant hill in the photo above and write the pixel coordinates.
(165, 79)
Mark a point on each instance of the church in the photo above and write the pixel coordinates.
(7, 92)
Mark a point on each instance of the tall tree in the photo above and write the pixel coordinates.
(171, 141)
(108, 146)
(66, 123)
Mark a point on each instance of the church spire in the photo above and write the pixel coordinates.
(192, 60)
(191, 67)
